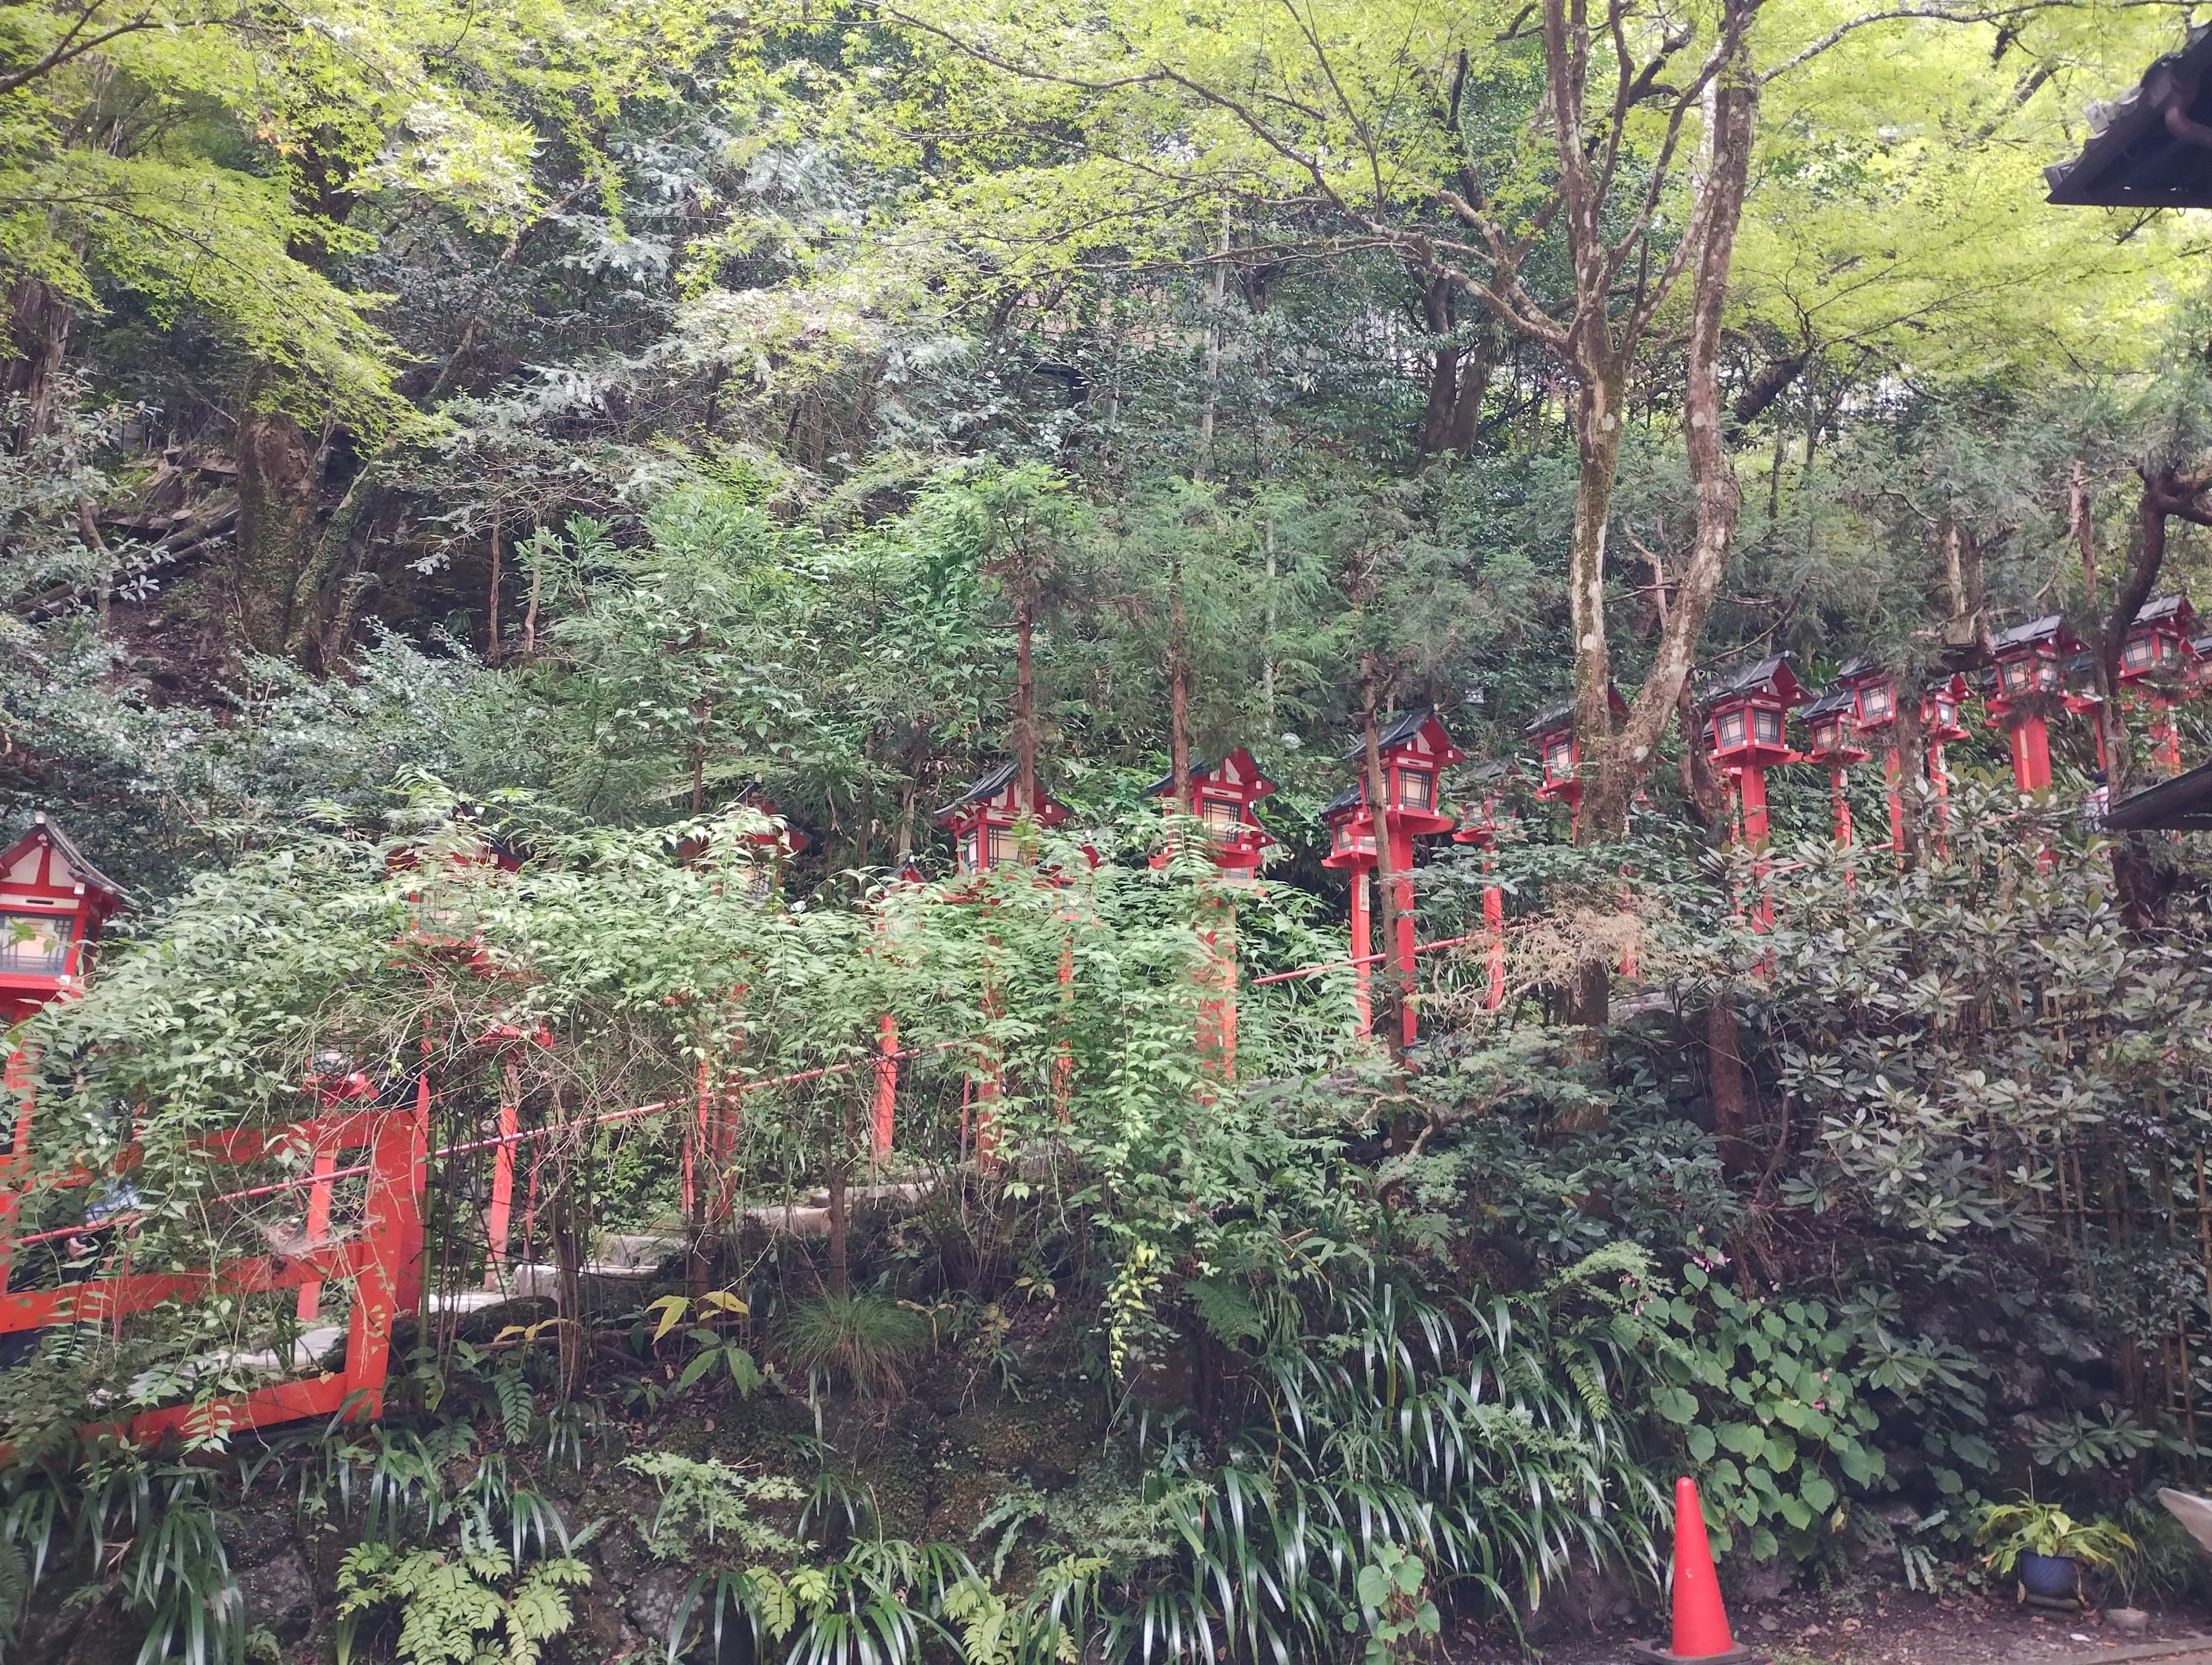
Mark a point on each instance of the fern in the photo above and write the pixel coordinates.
(713, 1500)
(453, 1608)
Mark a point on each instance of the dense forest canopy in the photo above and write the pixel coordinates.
(522, 526)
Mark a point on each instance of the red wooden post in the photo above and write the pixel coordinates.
(886, 1101)
(20, 1087)
(407, 1273)
(1363, 953)
(1493, 922)
(499, 1221)
(2031, 754)
(1063, 1062)
(392, 1231)
(310, 1306)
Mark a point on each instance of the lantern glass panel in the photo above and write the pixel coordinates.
(2141, 653)
(1415, 787)
(1221, 818)
(971, 850)
(1877, 703)
(1947, 712)
(34, 945)
(1729, 727)
(1002, 846)
(445, 912)
(1559, 760)
(1766, 726)
(1828, 734)
(2016, 676)
(2046, 674)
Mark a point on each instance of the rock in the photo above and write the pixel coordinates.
(2127, 1621)
(280, 1594)
(1769, 1623)
(252, 1536)
(2056, 1339)
(1756, 1581)
(2020, 1383)
(652, 1601)
(1588, 1600)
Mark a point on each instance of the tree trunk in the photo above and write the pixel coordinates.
(276, 481)
(1178, 691)
(1436, 315)
(1724, 1076)
(1025, 739)
(1598, 433)
(38, 325)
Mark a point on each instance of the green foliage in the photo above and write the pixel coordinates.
(470, 1608)
(1779, 1403)
(1399, 1619)
(866, 1340)
(710, 1500)
(2028, 1527)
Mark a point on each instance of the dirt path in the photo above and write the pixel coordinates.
(1874, 1626)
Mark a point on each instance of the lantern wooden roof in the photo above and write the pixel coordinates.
(992, 799)
(2152, 146)
(47, 860)
(1236, 773)
(2049, 631)
(2183, 804)
(1772, 678)
(2173, 611)
(1415, 734)
(1560, 713)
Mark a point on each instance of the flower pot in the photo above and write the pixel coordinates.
(2056, 1578)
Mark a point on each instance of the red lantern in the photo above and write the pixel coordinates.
(1830, 721)
(1940, 706)
(981, 821)
(1746, 717)
(1559, 752)
(2158, 641)
(769, 848)
(1874, 695)
(1222, 796)
(53, 903)
(1746, 714)
(2030, 660)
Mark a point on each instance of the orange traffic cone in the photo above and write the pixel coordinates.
(1701, 1627)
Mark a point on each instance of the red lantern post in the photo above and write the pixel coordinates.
(1559, 754)
(1745, 725)
(1874, 717)
(2030, 660)
(53, 905)
(1222, 796)
(982, 822)
(2158, 658)
(1831, 722)
(1941, 703)
(1482, 834)
(1415, 752)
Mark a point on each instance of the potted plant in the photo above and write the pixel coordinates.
(2046, 1548)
